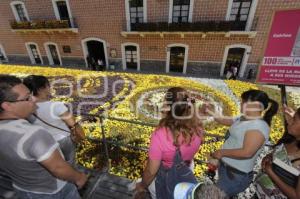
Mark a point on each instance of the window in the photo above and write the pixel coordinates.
(177, 58)
(131, 57)
(52, 53)
(181, 10)
(62, 10)
(136, 11)
(34, 53)
(19, 10)
(3, 57)
(240, 10)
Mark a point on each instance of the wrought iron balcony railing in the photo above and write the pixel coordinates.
(205, 26)
(44, 24)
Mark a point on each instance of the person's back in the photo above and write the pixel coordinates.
(162, 147)
(23, 146)
(51, 112)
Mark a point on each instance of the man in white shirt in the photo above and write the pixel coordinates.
(29, 155)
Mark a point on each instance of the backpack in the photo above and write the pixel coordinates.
(168, 178)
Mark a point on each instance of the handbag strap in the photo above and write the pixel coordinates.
(48, 124)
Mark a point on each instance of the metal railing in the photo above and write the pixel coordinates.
(204, 26)
(44, 23)
(103, 139)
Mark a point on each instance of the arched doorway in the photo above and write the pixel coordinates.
(53, 53)
(131, 56)
(94, 50)
(235, 56)
(177, 58)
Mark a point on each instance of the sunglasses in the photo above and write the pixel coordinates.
(27, 99)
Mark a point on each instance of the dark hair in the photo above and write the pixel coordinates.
(36, 82)
(209, 191)
(262, 97)
(7, 82)
(177, 100)
(288, 138)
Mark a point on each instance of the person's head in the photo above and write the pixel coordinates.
(186, 190)
(256, 102)
(180, 117)
(294, 126)
(15, 98)
(39, 86)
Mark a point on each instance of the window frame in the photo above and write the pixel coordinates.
(56, 12)
(190, 15)
(123, 47)
(49, 55)
(251, 13)
(15, 12)
(186, 56)
(27, 44)
(4, 53)
(127, 11)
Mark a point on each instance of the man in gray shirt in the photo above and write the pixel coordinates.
(29, 154)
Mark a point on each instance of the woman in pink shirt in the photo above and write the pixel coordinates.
(178, 129)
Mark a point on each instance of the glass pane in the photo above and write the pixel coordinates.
(243, 17)
(140, 14)
(134, 52)
(141, 20)
(186, 7)
(246, 4)
(175, 19)
(234, 11)
(128, 52)
(244, 11)
(184, 19)
(176, 8)
(176, 14)
(140, 9)
(132, 20)
(128, 60)
(133, 9)
(135, 60)
(133, 14)
(185, 13)
(236, 5)
(232, 18)
(134, 56)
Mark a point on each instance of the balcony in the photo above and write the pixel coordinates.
(226, 28)
(45, 25)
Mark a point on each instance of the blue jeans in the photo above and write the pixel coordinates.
(68, 191)
(232, 182)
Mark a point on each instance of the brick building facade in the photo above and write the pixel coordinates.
(181, 36)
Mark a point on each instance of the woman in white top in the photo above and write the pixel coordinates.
(247, 135)
(54, 116)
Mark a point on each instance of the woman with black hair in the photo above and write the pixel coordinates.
(287, 150)
(247, 135)
(54, 116)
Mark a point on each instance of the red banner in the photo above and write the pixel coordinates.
(281, 63)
